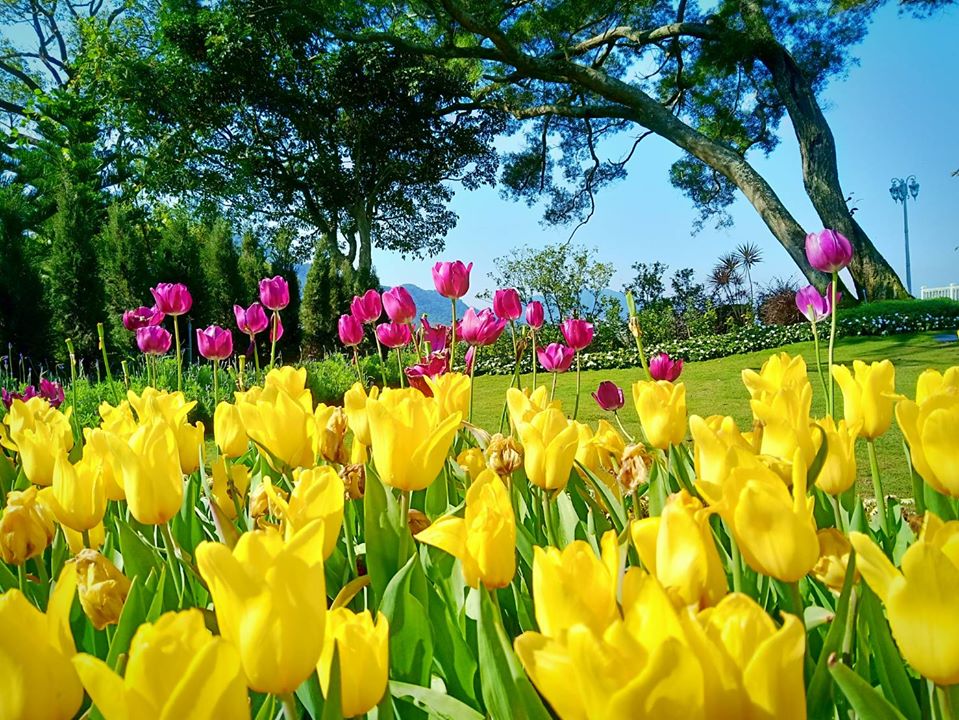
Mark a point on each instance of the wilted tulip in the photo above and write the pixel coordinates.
(828, 250)
(868, 394)
(663, 367)
(394, 335)
(485, 541)
(661, 407)
(27, 527)
(534, 314)
(609, 396)
(577, 332)
(350, 330)
(556, 357)
(143, 316)
(172, 298)
(452, 279)
(813, 306)
(102, 588)
(214, 343)
(363, 652)
(274, 293)
(399, 305)
(251, 321)
(507, 305)
(480, 328)
(176, 668)
(329, 437)
(154, 340)
(504, 455)
(52, 392)
(367, 307)
(266, 594)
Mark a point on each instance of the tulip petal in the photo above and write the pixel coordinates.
(774, 675)
(939, 436)
(448, 534)
(880, 574)
(107, 689)
(212, 687)
(553, 672)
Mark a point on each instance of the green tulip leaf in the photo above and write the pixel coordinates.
(388, 545)
(134, 613)
(865, 699)
(890, 668)
(438, 704)
(406, 606)
(332, 703)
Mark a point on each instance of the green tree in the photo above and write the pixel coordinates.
(221, 286)
(252, 266)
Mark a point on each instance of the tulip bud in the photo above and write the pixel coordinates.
(828, 250)
(480, 328)
(172, 298)
(556, 357)
(228, 430)
(506, 304)
(394, 335)
(274, 293)
(577, 332)
(452, 279)
(102, 588)
(399, 305)
(634, 327)
(417, 521)
(534, 314)
(504, 455)
(350, 330)
(367, 307)
(27, 527)
(260, 503)
(354, 480)
(635, 467)
(252, 320)
(214, 343)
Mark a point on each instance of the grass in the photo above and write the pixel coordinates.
(714, 387)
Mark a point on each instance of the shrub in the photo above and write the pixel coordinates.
(777, 303)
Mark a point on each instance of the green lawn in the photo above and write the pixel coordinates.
(715, 387)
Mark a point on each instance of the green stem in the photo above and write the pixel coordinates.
(945, 703)
(552, 392)
(547, 518)
(359, 370)
(850, 624)
(837, 511)
(737, 564)
(101, 336)
(256, 355)
(42, 573)
(399, 366)
(289, 706)
(532, 334)
(516, 364)
(86, 539)
(622, 429)
(404, 520)
(216, 385)
(179, 353)
(453, 340)
(348, 537)
(170, 555)
(276, 320)
(636, 505)
(832, 343)
(795, 599)
(78, 433)
(472, 379)
(379, 355)
(22, 577)
(877, 487)
(822, 378)
(578, 382)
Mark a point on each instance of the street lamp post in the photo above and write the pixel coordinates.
(901, 189)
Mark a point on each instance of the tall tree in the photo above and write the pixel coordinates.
(716, 83)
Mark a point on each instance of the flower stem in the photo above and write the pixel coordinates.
(532, 334)
(359, 370)
(73, 388)
(945, 703)
(453, 339)
(216, 385)
(472, 380)
(832, 343)
(289, 706)
(837, 511)
(822, 378)
(547, 518)
(101, 336)
(256, 354)
(552, 391)
(621, 428)
(348, 538)
(379, 355)
(276, 321)
(850, 624)
(877, 487)
(404, 520)
(578, 381)
(737, 564)
(399, 366)
(179, 353)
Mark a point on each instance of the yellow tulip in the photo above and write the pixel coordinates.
(152, 479)
(834, 550)
(118, 420)
(291, 381)
(920, 600)
(27, 527)
(270, 602)
(661, 407)
(100, 448)
(229, 482)
(786, 425)
(152, 404)
(317, 495)
(780, 372)
(452, 393)
(600, 452)
(574, 587)
(283, 428)
(330, 437)
(228, 430)
(485, 541)
(78, 498)
(189, 443)
(839, 469)
(549, 446)
(472, 461)
(524, 404)
(775, 531)
(679, 550)
(930, 426)
(102, 588)
(37, 679)
(40, 434)
(718, 446)
(410, 438)
(176, 669)
(363, 655)
(354, 404)
(868, 395)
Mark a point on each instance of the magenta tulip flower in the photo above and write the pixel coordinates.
(481, 328)
(350, 330)
(399, 304)
(393, 334)
(154, 340)
(609, 396)
(28, 392)
(172, 298)
(367, 307)
(274, 293)
(828, 250)
(577, 333)
(434, 366)
(534, 314)
(452, 279)
(214, 342)
(663, 367)
(252, 320)
(814, 306)
(556, 357)
(438, 336)
(143, 316)
(507, 305)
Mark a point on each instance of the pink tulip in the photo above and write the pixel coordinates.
(438, 336)
(143, 316)
(437, 364)
(8, 397)
(452, 279)
(350, 330)
(814, 306)
(577, 333)
(274, 293)
(663, 367)
(480, 328)
(367, 307)
(609, 396)
(172, 298)
(214, 343)
(154, 340)
(534, 314)
(399, 305)
(556, 357)
(251, 321)
(507, 305)
(828, 250)
(52, 392)
(469, 359)
(394, 334)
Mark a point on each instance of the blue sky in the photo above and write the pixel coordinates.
(895, 114)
